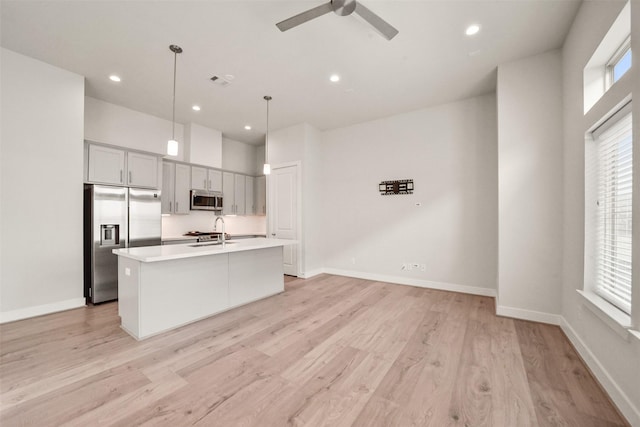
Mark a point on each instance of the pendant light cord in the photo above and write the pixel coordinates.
(266, 138)
(173, 116)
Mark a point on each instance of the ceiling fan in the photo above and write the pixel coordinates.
(342, 8)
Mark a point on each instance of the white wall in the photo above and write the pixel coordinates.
(530, 187)
(612, 357)
(449, 224)
(112, 124)
(202, 145)
(41, 195)
(302, 143)
(238, 156)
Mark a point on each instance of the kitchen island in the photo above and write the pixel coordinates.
(163, 287)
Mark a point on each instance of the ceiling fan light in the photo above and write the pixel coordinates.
(172, 147)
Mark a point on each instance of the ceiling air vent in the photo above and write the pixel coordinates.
(220, 81)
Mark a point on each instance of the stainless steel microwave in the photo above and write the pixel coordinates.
(206, 200)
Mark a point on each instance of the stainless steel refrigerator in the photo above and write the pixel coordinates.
(115, 217)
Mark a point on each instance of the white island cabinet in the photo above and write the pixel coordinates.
(163, 287)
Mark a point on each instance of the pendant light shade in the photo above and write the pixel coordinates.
(266, 169)
(172, 147)
(172, 144)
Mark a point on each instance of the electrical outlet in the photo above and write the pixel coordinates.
(353, 260)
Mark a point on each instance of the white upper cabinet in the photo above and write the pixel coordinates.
(261, 195)
(206, 179)
(228, 190)
(168, 183)
(240, 181)
(106, 165)
(199, 179)
(215, 180)
(234, 189)
(182, 188)
(176, 183)
(142, 170)
(250, 202)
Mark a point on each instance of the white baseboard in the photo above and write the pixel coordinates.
(473, 290)
(39, 310)
(535, 316)
(621, 400)
(311, 273)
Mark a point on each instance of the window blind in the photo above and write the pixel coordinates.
(615, 179)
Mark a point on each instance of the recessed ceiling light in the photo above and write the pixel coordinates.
(196, 108)
(334, 78)
(114, 78)
(247, 127)
(472, 29)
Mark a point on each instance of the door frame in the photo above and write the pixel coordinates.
(298, 165)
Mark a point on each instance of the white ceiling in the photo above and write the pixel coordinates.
(430, 62)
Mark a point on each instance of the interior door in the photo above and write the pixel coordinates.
(284, 212)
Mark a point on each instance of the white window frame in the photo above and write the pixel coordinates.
(613, 61)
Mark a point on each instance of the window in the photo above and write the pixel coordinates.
(619, 63)
(614, 174)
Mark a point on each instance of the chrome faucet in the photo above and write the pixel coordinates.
(215, 225)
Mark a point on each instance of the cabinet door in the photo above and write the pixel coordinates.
(168, 180)
(106, 165)
(142, 170)
(250, 204)
(228, 190)
(199, 178)
(182, 187)
(215, 180)
(240, 181)
(261, 195)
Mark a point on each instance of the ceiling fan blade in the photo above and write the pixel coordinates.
(303, 17)
(378, 23)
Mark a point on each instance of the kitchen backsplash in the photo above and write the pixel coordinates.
(177, 225)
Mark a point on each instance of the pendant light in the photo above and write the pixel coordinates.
(267, 167)
(172, 144)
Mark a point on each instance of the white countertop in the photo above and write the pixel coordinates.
(188, 250)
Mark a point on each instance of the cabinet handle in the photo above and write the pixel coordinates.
(130, 175)
(209, 184)
(169, 206)
(120, 175)
(204, 184)
(176, 207)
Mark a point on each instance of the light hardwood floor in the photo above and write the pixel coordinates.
(330, 350)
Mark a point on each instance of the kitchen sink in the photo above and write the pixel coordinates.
(210, 244)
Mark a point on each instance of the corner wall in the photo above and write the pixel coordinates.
(447, 227)
(41, 157)
(530, 188)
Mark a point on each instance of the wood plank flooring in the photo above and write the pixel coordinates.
(329, 351)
